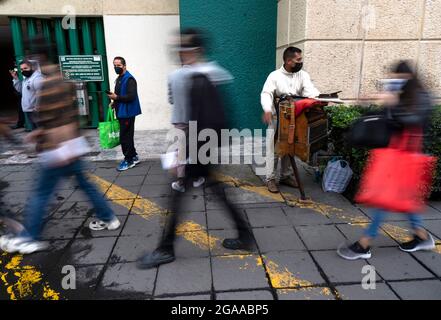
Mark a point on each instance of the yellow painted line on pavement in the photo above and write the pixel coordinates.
(25, 279)
(198, 236)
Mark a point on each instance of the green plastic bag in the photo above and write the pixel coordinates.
(109, 131)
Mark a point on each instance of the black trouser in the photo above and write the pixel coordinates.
(218, 187)
(21, 117)
(126, 137)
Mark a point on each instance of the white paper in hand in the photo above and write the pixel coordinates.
(169, 160)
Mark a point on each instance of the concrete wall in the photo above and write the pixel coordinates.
(348, 44)
(88, 7)
(142, 41)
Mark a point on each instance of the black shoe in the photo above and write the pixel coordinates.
(16, 126)
(155, 259)
(418, 244)
(238, 244)
(354, 252)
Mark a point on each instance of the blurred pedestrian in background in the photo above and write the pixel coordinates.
(60, 146)
(207, 110)
(410, 109)
(29, 88)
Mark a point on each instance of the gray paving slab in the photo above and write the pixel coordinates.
(339, 270)
(192, 244)
(435, 204)
(20, 176)
(187, 203)
(157, 179)
(130, 248)
(292, 270)
(238, 272)
(219, 219)
(277, 239)
(356, 292)
(137, 225)
(240, 196)
(126, 277)
(61, 229)
(323, 237)
(434, 227)
(245, 295)
(90, 251)
(86, 279)
(311, 293)
(163, 190)
(107, 172)
(184, 276)
(125, 181)
(305, 217)
(430, 259)
(418, 290)
(393, 264)
(267, 217)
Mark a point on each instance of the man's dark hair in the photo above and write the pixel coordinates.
(26, 62)
(290, 52)
(193, 38)
(123, 61)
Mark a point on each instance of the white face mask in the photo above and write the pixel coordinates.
(393, 85)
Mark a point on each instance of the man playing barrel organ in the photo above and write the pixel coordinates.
(290, 80)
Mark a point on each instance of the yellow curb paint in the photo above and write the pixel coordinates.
(197, 235)
(28, 277)
(281, 277)
(140, 206)
(397, 233)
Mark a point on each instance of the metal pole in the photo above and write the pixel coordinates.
(91, 87)
(101, 48)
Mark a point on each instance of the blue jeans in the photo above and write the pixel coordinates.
(46, 183)
(378, 217)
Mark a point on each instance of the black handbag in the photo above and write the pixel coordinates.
(372, 131)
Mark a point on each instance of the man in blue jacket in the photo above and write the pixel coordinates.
(127, 106)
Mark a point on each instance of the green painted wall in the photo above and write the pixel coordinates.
(243, 40)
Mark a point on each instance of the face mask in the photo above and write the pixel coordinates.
(27, 73)
(394, 85)
(297, 67)
(118, 70)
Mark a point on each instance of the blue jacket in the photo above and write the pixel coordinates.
(127, 109)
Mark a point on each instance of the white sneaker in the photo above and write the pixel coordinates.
(199, 182)
(178, 187)
(98, 225)
(23, 245)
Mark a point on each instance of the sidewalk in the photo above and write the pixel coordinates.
(295, 256)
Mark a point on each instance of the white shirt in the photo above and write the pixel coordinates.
(282, 82)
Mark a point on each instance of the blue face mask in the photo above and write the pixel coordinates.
(394, 85)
